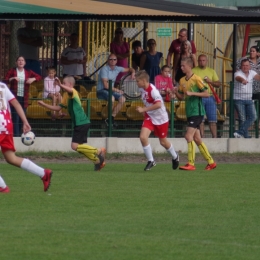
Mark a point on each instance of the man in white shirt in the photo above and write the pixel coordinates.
(243, 102)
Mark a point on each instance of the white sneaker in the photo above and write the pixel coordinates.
(237, 135)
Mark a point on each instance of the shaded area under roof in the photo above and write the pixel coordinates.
(121, 10)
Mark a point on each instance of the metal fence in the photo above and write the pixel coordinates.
(129, 121)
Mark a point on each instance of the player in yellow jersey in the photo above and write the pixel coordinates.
(192, 90)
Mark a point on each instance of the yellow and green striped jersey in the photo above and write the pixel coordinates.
(72, 103)
(193, 104)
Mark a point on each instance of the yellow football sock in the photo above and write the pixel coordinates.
(204, 151)
(191, 153)
(89, 151)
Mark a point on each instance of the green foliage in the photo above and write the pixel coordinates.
(123, 212)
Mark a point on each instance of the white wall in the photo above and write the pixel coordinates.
(132, 145)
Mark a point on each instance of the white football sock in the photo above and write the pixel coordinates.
(2, 182)
(172, 152)
(148, 152)
(32, 168)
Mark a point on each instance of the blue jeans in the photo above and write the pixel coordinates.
(17, 122)
(103, 94)
(210, 108)
(246, 115)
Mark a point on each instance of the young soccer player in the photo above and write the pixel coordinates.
(80, 122)
(52, 91)
(7, 142)
(156, 119)
(192, 89)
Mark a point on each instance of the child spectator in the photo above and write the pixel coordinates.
(155, 119)
(164, 84)
(80, 122)
(52, 91)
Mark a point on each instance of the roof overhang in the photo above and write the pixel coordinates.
(120, 10)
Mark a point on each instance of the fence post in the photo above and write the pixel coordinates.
(172, 119)
(257, 119)
(231, 111)
(88, 113)
(110, 84)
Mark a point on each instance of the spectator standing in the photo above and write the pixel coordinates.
(136, 56)
(176, 44)
(150, 60)
(29, 41)
(210, 77)
(73, 59)
(164, 84)
(254, 61)
(185, 52)
(20, 80)
(243, 102)
(110, 72)
(121, 49)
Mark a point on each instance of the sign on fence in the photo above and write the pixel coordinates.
(164, 32)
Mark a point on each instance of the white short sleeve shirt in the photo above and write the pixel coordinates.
(241, 91)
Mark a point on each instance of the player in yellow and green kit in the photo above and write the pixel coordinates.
(80, 122)
(192, 90)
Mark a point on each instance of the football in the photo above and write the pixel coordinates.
(28, 138)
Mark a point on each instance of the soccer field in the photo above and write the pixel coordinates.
(123, 212)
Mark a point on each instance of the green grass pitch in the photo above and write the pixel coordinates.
(123, 212)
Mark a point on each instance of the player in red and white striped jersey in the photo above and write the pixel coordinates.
(155, 119)
(7, 142)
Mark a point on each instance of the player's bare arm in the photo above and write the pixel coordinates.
(204, 94)
(152, 107)
(178, 95)
(51, 107)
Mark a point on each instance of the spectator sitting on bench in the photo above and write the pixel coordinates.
(52, 91)
(110, 72)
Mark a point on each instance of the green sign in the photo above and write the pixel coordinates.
(164, 32)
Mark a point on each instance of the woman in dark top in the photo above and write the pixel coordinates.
(150, 60)
(136, 56)
(185, 52)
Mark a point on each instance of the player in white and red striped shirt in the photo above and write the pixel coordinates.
(155, 119)
(7, 142)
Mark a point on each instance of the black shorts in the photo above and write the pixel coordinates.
(80, 134)
(195, 121)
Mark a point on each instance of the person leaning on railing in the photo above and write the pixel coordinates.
(254, 61)
(20, 79)
(243, 102)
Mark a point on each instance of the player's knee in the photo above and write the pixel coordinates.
(74, 146)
